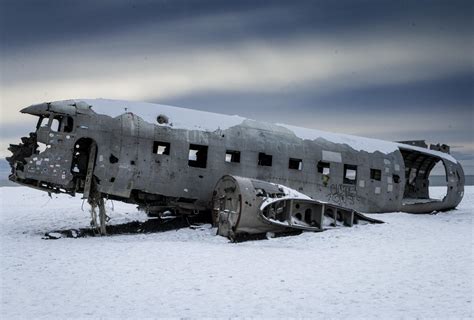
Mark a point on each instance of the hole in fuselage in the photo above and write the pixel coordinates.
(423, 171)
(41, 147)
(438, 181)
(113, 159)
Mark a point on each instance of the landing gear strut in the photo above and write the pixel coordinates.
(100, 226)
(93, 196)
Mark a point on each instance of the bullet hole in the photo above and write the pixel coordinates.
(113, 159)
(396, 178)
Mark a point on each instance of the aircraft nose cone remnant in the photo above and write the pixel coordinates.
(247, 207)
(36, 109)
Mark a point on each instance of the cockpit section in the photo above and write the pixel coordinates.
(42, 159)
(56, 123)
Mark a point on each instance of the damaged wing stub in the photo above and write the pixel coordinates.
(245, 208)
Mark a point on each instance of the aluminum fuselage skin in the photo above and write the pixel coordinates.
(126, 164)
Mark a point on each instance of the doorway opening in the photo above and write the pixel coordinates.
(80, 157)
(422, 171)
(438, 181)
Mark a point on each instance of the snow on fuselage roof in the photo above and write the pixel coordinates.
(190, 119)
(181, 118)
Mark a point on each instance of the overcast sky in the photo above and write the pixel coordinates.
(394, 70)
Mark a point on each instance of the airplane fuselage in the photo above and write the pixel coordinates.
(161, 164)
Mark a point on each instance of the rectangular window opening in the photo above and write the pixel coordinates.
(295, 164)
(264, 159)
(197, 156)
(324, 168)
(160, 147)
(232, 156)
(376, 174)
(350, 174)
(68, 124)
(56, 124)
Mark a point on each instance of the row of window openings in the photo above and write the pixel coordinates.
(198, 158)
(56, 123)
(198, 154)
(350, 173)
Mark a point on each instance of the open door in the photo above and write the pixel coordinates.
(83, 163)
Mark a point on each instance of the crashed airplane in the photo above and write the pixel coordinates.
(250, 177)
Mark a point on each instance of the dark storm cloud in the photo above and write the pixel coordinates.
(432, 95)
(26, 24)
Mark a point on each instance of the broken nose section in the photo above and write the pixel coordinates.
(20, 152)
(70, 107)
(27, 147)
(36, 109)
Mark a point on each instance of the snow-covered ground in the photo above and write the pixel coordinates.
(412, 266)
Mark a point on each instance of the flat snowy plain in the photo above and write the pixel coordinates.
(411, 266)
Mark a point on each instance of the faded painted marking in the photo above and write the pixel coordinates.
(362, 183)
(386, 161)
(387, 170)
(332, 156)
(101, 158)
(397, 167)
(377, 190)
(389, 180)
(390, 188)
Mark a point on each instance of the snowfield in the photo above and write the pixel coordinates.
(412, 266)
